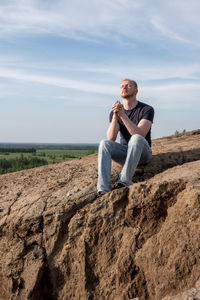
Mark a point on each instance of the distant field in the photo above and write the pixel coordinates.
(11, 161)
(62, 155)
(51, 156)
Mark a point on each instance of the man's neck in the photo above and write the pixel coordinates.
(130, 103)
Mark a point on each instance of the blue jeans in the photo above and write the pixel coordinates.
(137, 152)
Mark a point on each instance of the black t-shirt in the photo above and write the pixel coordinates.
(141, 111)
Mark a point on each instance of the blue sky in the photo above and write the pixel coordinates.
(61, 64)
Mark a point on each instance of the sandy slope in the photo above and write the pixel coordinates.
(57, 241)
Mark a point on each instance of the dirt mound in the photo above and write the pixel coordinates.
(57, 241)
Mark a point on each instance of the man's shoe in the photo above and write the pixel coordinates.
(118, 185)
(100, 194)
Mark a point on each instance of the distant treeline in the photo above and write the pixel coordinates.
(20, 163)
(48, 146)
(17, 150)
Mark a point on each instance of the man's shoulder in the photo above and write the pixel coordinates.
(144, 105)
(145, 111)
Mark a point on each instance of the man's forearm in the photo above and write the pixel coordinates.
(131, 127)
(114, 128)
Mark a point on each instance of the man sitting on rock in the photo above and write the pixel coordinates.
(133, 119)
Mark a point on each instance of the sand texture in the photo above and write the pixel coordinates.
(58, 241)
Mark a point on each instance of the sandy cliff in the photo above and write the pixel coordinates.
(57, 241)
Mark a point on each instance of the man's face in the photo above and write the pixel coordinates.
(127, 89)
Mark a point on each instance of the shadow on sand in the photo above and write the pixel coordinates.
(164, 161)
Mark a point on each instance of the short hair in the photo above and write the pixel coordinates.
(130, 80)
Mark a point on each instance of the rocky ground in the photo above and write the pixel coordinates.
(58, 241)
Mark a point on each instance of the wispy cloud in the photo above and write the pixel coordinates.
(168, 95)
(172, 96)
(143, 72)
(59, 82)
(165, 31)
(141, 20)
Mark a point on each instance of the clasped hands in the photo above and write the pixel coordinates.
(118, 109)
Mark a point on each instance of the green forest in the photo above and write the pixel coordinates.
(19, 158)
(20, 163)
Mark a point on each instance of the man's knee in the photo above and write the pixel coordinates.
(104, 145)
(136, 139)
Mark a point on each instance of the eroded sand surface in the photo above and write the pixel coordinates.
(57, 241)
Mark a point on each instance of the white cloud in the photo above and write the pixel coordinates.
(141, 71)
(96, 19)
(157, 71)
(160, 25)
(172, 96)
(184, 95)
(156, 81)
(59, 82)
(177, 20)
